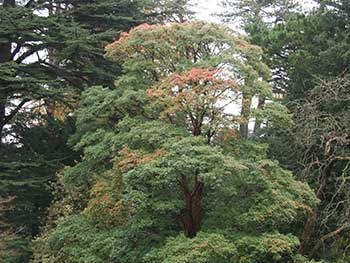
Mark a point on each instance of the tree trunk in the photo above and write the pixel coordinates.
(190, 216)
(311, 221)
(245, 112)
(197, 130)
(308, 230)
(196, 126)
(257, 124)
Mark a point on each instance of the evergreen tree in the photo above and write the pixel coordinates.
(48, 55)
(258, 18)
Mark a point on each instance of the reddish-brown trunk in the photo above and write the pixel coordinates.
(190, 216)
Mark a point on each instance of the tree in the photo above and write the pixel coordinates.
(259, 19)
(318, 144)
(195, 98)
(151, 180)
(251, 12)
(173, 11)
(7, 234)
(299, 47)
(100, 22)
(59, 53)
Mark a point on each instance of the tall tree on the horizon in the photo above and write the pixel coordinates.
(256, 18)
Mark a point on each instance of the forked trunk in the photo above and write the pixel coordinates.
(190, 216)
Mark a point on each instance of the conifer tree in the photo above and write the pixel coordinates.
(48, 55)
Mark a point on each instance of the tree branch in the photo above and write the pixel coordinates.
(7, 118)
(336, 232)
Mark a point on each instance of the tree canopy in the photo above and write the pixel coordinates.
(154, 169)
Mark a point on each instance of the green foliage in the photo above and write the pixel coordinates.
(210, 247)
(172, 11)
(101, 22)
(320, 134)
(15, 249)
(243, 149)
(266, 248)
(268, 197)
(190, 50)
(86, 243)
(149, 188)
(277, 114)
(184, 47)
(26, 172)
(306, 48)
(161, 171)
(204, 248)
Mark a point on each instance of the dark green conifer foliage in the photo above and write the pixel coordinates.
(49, 52)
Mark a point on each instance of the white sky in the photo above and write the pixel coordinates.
(207, 8)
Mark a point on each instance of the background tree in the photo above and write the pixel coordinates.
(49, 52)
(173, 11)
(319, 141)
(316, 50)
(309, 54)
(258, 18)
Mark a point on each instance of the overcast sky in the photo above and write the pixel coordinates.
(207, 8)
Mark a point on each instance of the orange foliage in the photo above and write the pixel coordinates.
(130, 159)
(229, 134)
(105, 209)
(194, 90)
